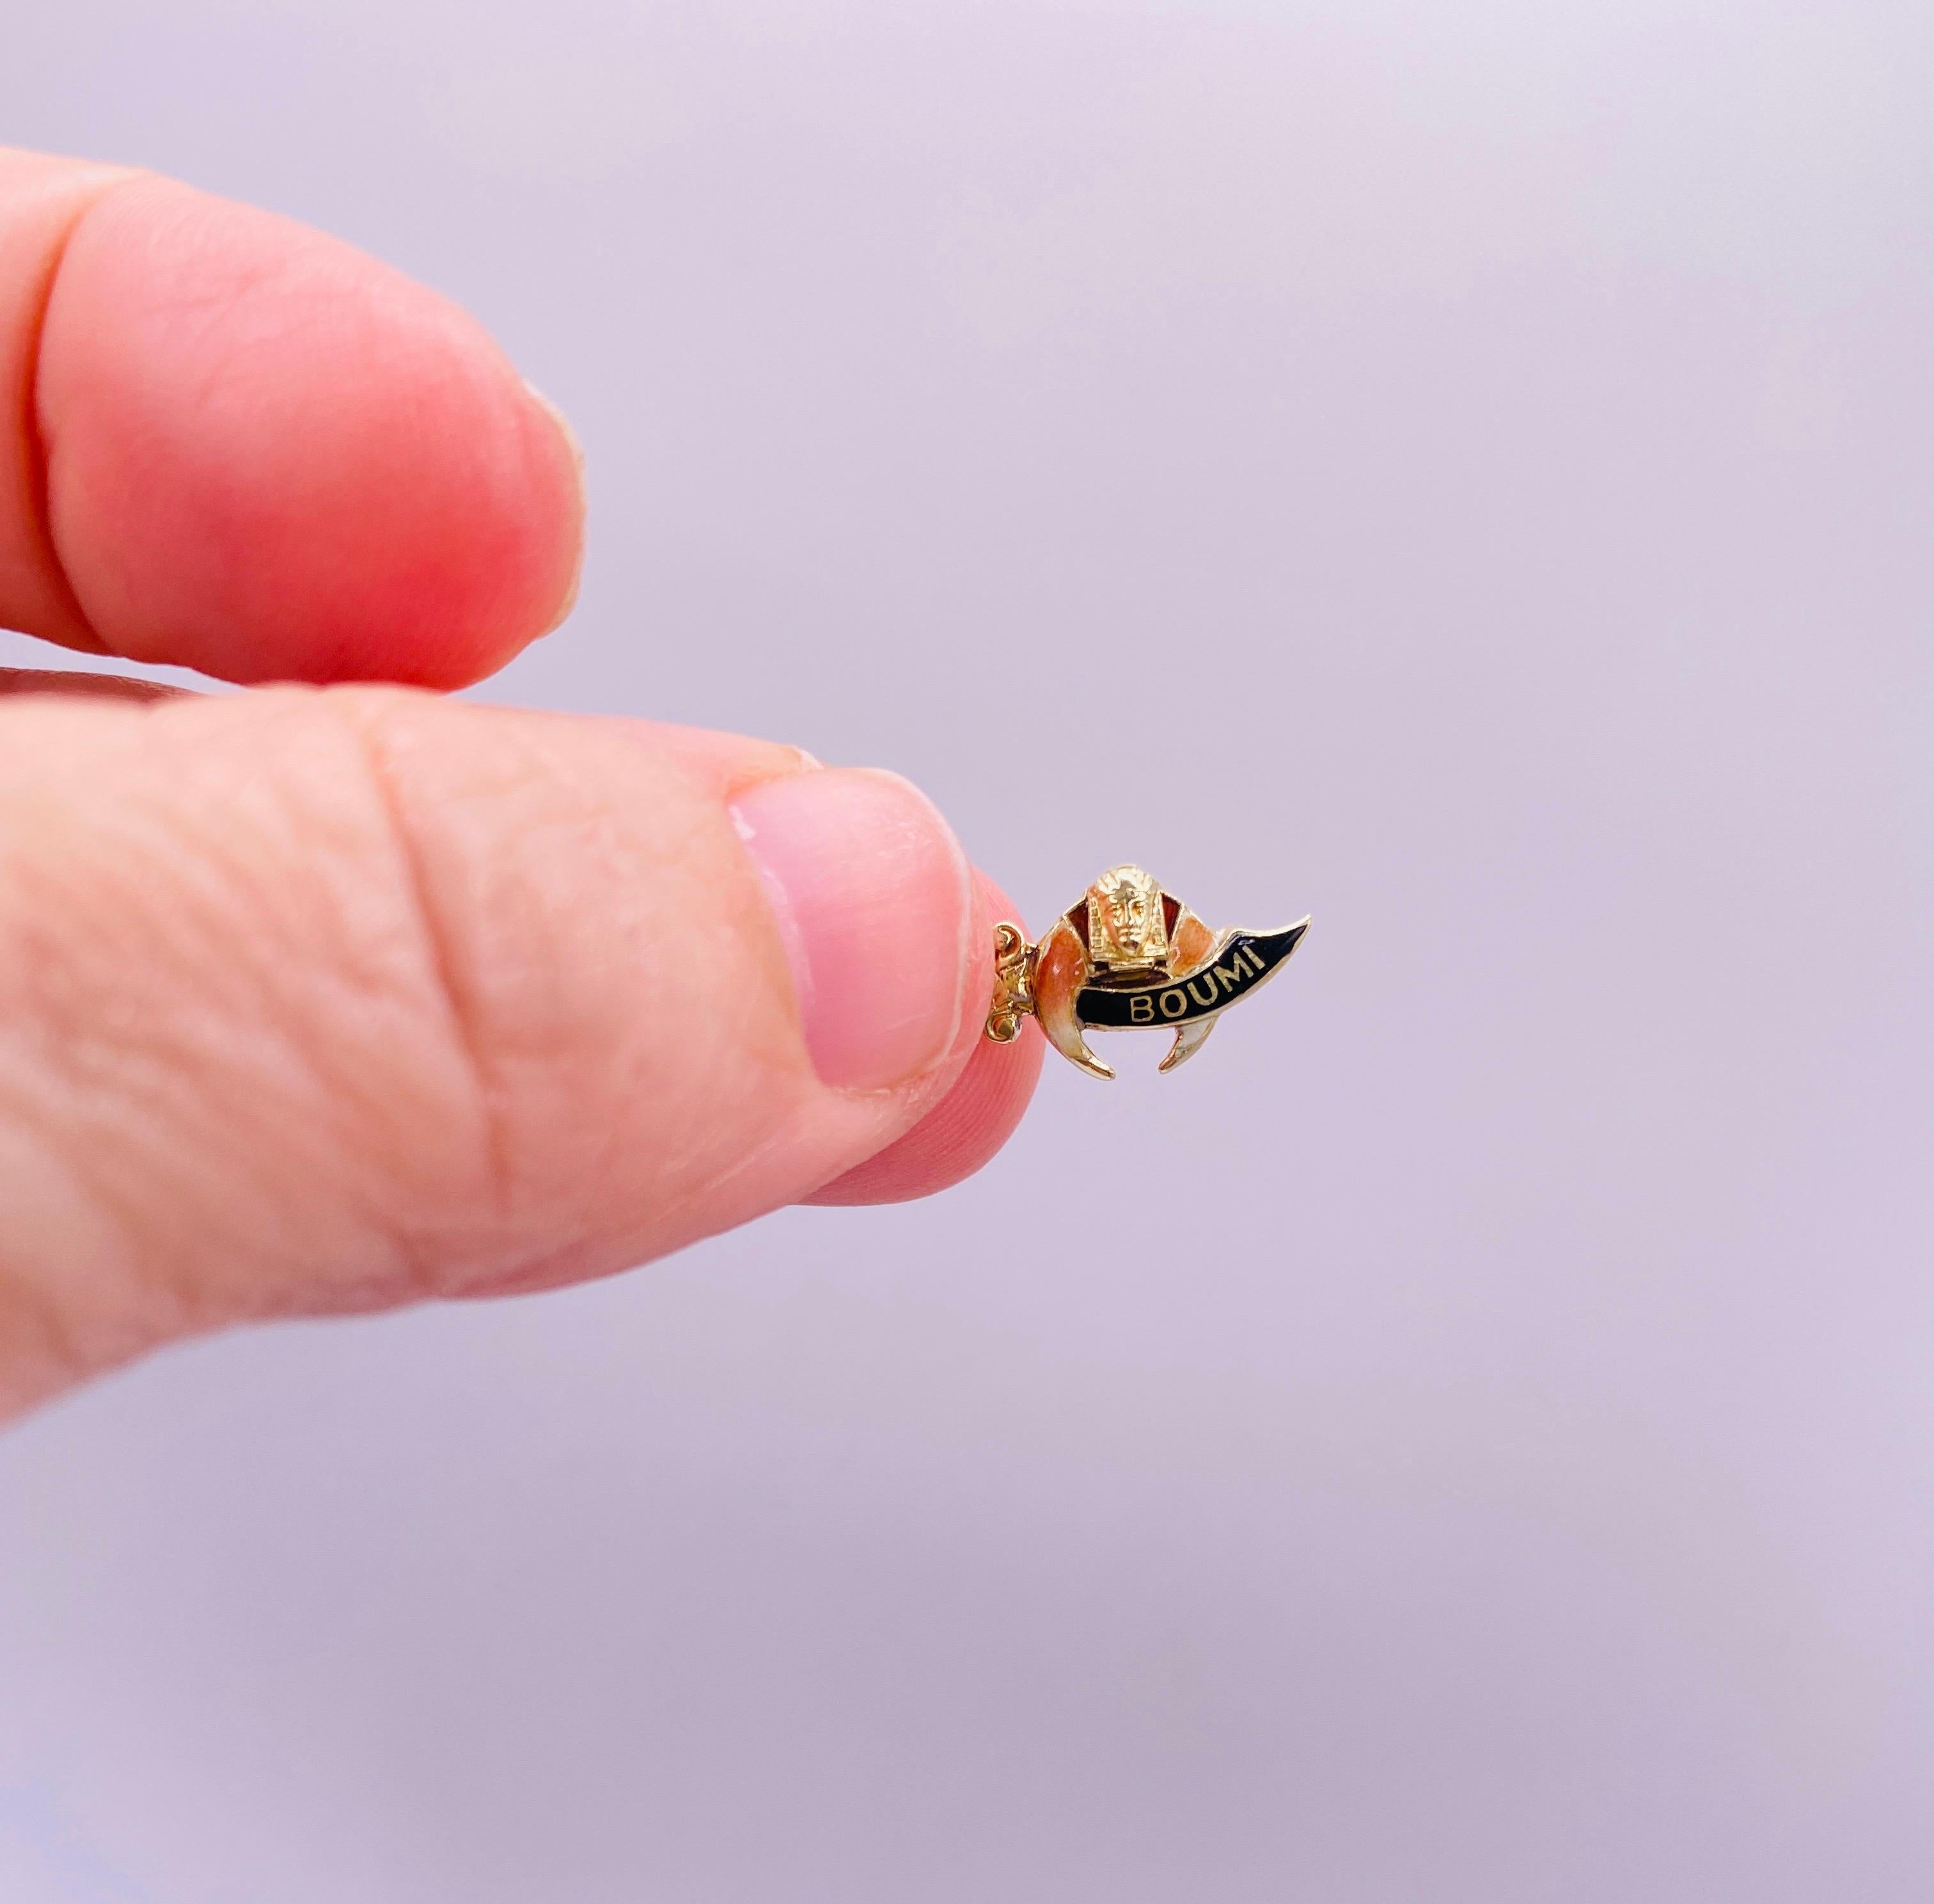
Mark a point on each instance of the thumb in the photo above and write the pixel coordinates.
(325, 1001)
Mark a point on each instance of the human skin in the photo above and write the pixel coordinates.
(334, 995)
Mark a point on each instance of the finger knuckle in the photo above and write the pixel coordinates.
(225, 1014)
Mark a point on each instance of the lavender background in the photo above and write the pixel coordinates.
(1467, 1437)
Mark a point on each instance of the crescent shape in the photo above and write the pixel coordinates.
(1189, 1039)
(1195, 946)
(1061, 969)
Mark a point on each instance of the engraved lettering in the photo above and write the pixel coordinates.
(1208, 982)
(1174, 1002)
(1232, 981)
(1141, 1009)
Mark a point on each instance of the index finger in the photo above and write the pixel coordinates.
(229, 442)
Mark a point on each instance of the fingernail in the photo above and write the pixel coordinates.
(874, 901)
(562, 423)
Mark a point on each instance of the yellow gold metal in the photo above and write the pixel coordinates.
(1128, 954)
(1013, 987)
(1126, 929)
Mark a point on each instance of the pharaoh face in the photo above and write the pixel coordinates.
(1127, 930)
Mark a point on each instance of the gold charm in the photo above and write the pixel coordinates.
(1127, 954)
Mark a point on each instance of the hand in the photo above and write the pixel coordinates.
(331, 997)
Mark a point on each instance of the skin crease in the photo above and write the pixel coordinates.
(329, 1000)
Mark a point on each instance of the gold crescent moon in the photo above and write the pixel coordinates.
(1063, 967)
(1128, 954)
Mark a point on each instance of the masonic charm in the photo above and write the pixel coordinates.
(1126, 954)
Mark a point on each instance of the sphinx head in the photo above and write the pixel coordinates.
(1128, 929)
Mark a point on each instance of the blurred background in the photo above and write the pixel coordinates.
(1468, 1436)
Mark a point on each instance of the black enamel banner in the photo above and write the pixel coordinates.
(1242, 962)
